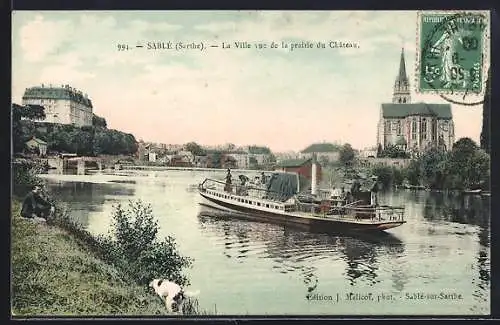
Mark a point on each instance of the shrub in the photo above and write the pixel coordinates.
(133, 246)
(24, 175)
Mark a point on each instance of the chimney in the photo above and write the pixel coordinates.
(314, 176)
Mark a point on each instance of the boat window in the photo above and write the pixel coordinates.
(267, 205)
(258, 203)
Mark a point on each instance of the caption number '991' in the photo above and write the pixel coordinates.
(122, 47)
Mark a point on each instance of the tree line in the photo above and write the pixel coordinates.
(466, 166)
(86, 140)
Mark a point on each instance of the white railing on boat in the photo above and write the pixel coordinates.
(255, 195)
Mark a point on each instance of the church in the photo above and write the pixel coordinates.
(414, 127)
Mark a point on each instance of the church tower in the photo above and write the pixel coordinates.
(402, 85)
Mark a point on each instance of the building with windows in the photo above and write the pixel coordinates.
(63, 105)
(414, 127)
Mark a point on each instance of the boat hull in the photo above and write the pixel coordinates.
(279, 217)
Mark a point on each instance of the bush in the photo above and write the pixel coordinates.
(25, 175)
(133, 246)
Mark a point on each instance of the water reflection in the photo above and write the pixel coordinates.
(294, 250)
(83, 198)
(465, 209)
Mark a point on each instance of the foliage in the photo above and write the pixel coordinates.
(24, 175)
(346, 154)
(392, 151)
(379, 150)
(388, 176)
(98, 121)
(466, 166)
(259, 150)
(195, 149)
(19, 136)
(133, 246)
(215, 159)
(85, 140)
(322, 147)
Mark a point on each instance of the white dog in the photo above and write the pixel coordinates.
(173, 294)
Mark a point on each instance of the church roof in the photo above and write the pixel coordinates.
(442, 111)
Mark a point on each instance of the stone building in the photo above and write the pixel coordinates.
(63, 105)
(414, 127)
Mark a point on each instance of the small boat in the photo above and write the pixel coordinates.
(472, 192)
(290, 207)
(485, 193)
(413, 187)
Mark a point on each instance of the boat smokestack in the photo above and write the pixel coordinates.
(314, 176)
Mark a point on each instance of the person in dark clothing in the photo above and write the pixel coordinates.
(34, 205)
(229, 182)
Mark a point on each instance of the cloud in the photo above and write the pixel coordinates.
(67, 69)
(40, 37)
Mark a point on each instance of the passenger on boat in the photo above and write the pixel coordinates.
(242, 190)
(373, 194)
(263, 178)
(349, 197)
(227, 187)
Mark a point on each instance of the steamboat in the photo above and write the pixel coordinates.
(281, 200)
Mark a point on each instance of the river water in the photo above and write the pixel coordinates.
(438, 263)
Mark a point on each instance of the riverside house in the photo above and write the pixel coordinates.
(301, 166)
(37, 145)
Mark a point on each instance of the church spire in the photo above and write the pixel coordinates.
(402, 67)
(401, 86)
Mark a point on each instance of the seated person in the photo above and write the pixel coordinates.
(34, 205)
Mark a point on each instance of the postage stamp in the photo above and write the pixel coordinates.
(451, 52)
(250, 163)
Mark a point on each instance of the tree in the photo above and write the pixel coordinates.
(195, 149)
(19, 133)
(379, 150)
(259, 150)
(133, 245)
(433, 168)
(461, 162)
(393, 152)
(98, 121)
(485, 132)
(346, 154)
(414, 172)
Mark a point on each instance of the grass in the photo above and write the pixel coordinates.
(54, 273)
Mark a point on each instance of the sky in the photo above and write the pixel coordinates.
(276, 97)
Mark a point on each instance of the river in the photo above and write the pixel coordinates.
(438, 263)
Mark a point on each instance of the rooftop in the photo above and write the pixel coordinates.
(442, 111)
(294, 162)
(322, 147)
(42, 92)
(39, 141)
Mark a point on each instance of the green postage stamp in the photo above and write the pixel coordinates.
(451, 48)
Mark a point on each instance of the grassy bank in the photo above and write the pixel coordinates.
(54, 272)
